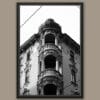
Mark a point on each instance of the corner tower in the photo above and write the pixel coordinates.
(50, 77)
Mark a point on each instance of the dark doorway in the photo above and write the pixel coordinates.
(50, 89)
(50, 62)
(49, 38)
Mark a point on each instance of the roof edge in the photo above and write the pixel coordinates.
(64, 37)
(29, 42)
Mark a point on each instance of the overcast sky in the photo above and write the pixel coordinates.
(67, 16)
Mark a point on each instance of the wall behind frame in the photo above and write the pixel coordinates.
(8, 49)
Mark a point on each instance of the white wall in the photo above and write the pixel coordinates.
(33, 70)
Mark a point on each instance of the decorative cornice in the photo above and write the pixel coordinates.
(63, 37)
(70, 42)
(49, 24)
(29, 42)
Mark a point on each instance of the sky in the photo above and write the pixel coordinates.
(68, 17)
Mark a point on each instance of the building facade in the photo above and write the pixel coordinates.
(49, 63)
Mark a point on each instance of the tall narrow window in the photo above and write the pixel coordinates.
(73, 74)
(73, 68)
(20, 61)
(28, 56)
(72, 56)
(50, 62)
(40, 67)
(39, 92)
(49, 38)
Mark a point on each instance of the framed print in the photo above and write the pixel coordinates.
(49, 50)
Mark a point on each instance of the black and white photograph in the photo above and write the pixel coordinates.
(49, 50)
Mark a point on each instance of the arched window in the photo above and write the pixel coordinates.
(49, 38)
(50, 61)
(50, 89)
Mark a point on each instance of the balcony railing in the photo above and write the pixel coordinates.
(49, 46)
(49, 72)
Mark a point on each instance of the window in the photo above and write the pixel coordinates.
(40, 66)
(61, 91)
(39, 92)
(20, 61)
(49, 38)
(27, 76)
(28, 56)
(72, 56)
(50, 89)
(50, 61)
(73, 74)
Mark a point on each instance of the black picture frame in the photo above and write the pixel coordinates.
(18, 4)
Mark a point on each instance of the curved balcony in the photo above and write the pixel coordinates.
(50, 46)
(50, 73)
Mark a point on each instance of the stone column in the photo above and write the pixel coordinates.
(57, 65)
(39, 66)
(43, 42)
(58, 92)
(60, 47)
(43, 66)
(60, 69)
(42, 91)
(56, 41)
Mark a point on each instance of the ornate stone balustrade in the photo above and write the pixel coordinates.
(49, 73)
(49, 46)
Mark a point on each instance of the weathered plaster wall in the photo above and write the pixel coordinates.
(68, 87)
(32, 66)
(33, 70)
